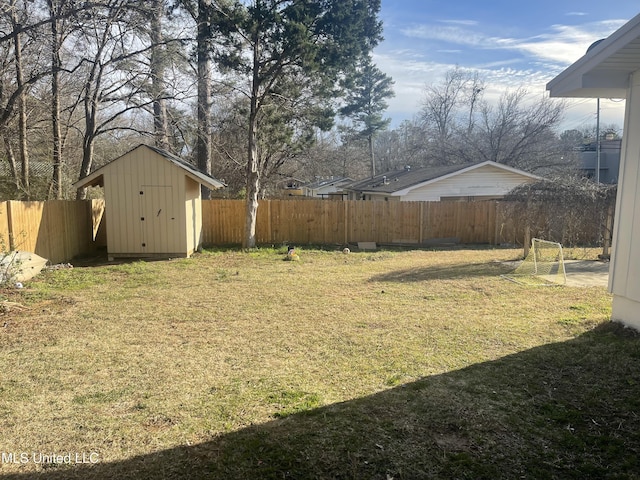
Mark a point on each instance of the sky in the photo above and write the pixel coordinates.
(511, 43)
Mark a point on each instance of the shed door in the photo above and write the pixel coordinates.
(156, 219)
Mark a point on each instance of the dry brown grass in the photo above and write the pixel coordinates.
(128, 360)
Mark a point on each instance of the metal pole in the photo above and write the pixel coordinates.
(598, 142)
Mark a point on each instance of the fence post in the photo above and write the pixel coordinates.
(527, 240)
(269, 227)
(421, 224)
(346, 222)
(496, 222)
(607, 231)
(11, 240)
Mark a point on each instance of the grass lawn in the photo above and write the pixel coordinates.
(383, 365)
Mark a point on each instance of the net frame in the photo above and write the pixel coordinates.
(535, 276)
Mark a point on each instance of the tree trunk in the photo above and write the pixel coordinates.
(253, 174)
(253, 188)
(203, 145)
(90, 113)
(371, 156)
(56, 181)
(85, 168)
(11, 157)
(22, 102)
(160, 127)
(607, 231)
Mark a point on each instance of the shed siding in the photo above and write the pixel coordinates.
(481, 182)
(163, 188)
(193, 213)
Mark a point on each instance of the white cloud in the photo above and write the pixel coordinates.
(556, 50)
(498, 64)
(451, 34)
(411, 74)
(460, 22)
(564, 44)
(534, 61)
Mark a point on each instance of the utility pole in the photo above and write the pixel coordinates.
(598, 141)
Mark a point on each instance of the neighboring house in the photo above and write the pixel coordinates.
(326, 187)
(611, 69)
(609, 160)
(292, 191)
(476, 181)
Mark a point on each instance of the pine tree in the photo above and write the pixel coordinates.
(367, 89)
(270, 42)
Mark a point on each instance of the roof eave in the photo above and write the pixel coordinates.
(212, 184)
(583, 79)
(590, 85)
(373, 192)
(95, 179)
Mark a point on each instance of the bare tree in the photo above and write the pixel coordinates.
(444, 110)
(100, 65)
(23, 150)
(27, 39)
(6, 117)
(518, 132)
(55, 10)
(115, 73)
(463, 127)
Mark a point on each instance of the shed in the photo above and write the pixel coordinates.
(470, 181)
(153, 203)
(611, 69)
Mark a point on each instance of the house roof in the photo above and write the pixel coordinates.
(95, 178)
(605, 69)
(328, 182)
(400, 182)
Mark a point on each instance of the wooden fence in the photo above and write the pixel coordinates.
(61, 230)
(57, 230)
(327, 222)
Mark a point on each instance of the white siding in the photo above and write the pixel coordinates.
(624, 281)
(486, 181)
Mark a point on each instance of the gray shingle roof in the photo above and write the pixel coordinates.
(395, 180)
(337, 181)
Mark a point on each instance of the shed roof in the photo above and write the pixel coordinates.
(605, 69)
(95, 177)
(399, 182)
